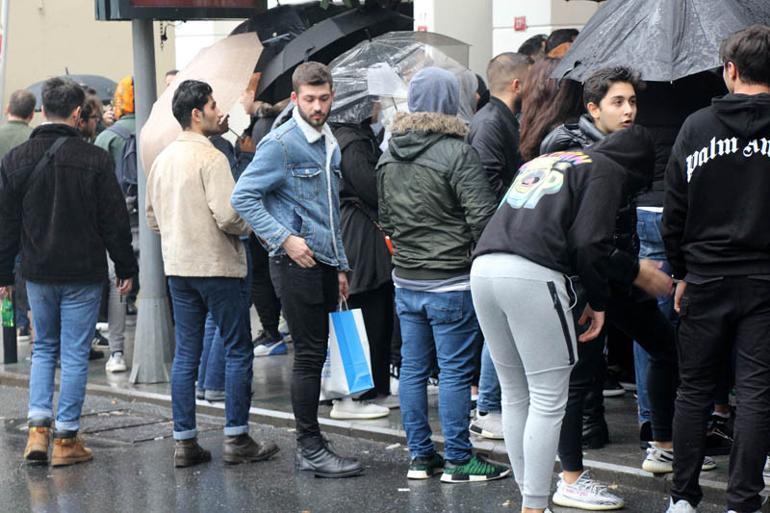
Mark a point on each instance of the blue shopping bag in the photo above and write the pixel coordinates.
(348, 369)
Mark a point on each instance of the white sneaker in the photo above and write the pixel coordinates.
(489, 425)
(116, 363)
(585, 493)
(681, 506)
(661, 461)
(390, 402)
(348, 409)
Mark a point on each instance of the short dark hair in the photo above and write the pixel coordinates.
(596, 86)
(506, 67)
(534, 46)
(559, 37)
(22, 104)
(311, 73)
(749, 50)
(191, 94)
(91, 106)
(61, 96)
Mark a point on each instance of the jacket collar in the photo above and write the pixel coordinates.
(499, 105)
(428, 122)
(587, 126)
(54, 129)
(311, 134)
(188, 136)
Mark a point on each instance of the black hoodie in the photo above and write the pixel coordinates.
(716, 217)
(560, 210)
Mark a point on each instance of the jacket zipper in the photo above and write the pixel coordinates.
(562, 319)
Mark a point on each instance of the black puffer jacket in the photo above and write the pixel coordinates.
(624, 263)
(64, 218)
(434, 196)
(364, 242)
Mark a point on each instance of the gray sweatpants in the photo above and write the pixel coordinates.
(522, 308)
(116, 312)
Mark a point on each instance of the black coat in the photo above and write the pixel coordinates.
(62, 219)
(364, 242)
(494, 134)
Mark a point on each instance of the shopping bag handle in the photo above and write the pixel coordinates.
(342, 306)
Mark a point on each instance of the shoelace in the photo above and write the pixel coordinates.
(592, 486)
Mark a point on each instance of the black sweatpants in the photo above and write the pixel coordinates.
(308, 295)
(377, 309)
(715, 318)
(638, 316)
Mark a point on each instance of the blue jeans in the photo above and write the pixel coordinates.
(64, 317)
(441, 324)
(211, 372)
(489, 385)
(650, 247)
(193, 299)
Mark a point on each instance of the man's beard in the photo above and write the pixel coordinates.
(312, 122)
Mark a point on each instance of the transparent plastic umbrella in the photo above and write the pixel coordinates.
(379, 70)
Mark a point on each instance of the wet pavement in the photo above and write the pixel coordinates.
(132, 471)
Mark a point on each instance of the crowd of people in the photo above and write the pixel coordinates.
(497, 254)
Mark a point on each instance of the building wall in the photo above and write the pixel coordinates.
(46, 38)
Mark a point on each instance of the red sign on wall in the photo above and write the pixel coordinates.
(520, 23)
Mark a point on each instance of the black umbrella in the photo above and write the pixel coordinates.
(104, 87)
(663, 39)
(323, 42)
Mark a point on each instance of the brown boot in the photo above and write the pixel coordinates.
(243, 449)
(36, 451)
(188, 453)
(68, 451)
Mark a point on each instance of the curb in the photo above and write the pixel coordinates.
(634, 477)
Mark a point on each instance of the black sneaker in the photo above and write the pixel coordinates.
(719, 437)
(612, 388)
(93, 354)
(266, 337)
(99, 340)
(474, 470)
(425, 467)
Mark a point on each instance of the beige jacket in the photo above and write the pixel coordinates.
(188, 203)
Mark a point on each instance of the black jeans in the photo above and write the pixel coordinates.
(307, 296)
(263, 295)
(377, 309)
(717, 317)
(637, 316)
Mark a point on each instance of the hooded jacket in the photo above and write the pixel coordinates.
(434, 196)
(560, 211)
(716, 216)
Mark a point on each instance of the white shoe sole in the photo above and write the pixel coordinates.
(614, 393)
(421, 474)
(486, 434)
(561, 500)
(657, 467)
(116, 368)
(357, 416)
(447, 478)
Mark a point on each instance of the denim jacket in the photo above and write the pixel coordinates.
(286, 190)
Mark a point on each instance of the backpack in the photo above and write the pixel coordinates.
(125, 168)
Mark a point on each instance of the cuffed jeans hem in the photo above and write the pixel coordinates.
(236, 430)
(40, 415)
(185, 435)
(72, 425)
(535, 501)
(488, 409)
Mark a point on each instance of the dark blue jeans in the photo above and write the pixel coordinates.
(193, 299)
(441, 324)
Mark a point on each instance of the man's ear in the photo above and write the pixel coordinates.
(594, 111)
(294, 97)
(515, 86)
(76, 113)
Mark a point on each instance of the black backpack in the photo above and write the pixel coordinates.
(125, 168)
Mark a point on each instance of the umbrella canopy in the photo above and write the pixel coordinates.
(104, 87)
(381, 69)
(323, 42)
(663, 39)
(227, 66)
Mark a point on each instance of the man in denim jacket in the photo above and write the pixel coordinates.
(289, 195)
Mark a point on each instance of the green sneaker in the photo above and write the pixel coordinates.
(474, 470)
(424, 468)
